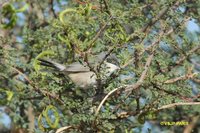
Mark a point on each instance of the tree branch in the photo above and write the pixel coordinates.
(142, 77)
(189, 75)
(52, 9)
(43, 92)
(189, 128)
(105, 98)
(177, 104)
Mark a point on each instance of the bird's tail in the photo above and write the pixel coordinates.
(52, 64)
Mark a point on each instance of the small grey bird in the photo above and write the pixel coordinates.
(80, 74)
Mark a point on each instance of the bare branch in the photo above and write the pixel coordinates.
(154, 44)
(60, 130)
(52, 9)
(154, 20)
(196, 80)
(189, 128)
(182, 59)
(177, 104)
(106, 7)
(43, 92)
(180, 78)
(98, 34)
(142, 77)
(106, 97)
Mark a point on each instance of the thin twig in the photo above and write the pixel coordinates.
(181, 59)
(196, 80)
(142, 77)
(154, 44)
(184, 77)
(62, 129)
(168, 92)
(177, 104)
(104, 58)
(44, 93)
(106, 97)
(96, 7)
(106, 7)
(98, 34)
(154, 20)
(189, 128)
(52, 9)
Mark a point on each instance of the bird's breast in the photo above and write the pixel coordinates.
(83, 79)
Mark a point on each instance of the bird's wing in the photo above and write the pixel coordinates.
(77, 67)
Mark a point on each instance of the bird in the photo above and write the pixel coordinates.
(80, 73)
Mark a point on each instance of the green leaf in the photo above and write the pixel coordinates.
(25, 7)
(9, 95)
(63, 13)
(40, 124)
(66, 40)
(44, 53)
(46, 115)
(5, 96)
(55, 114)
(150, 115)
(141, 118)
(9, 13)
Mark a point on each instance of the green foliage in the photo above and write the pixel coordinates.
(6, 96)
(47, 114)
(36, 63)
(10, 13)
(131, 31)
